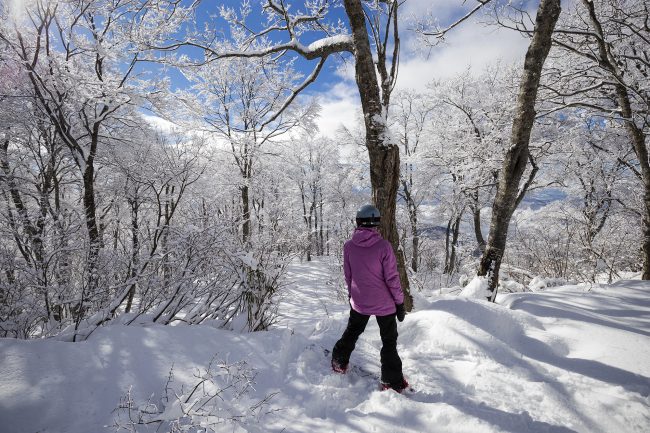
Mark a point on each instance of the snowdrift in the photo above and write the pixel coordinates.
(564, 360)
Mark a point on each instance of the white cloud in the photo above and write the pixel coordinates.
(159, 123)
(471, 45)
(340, 106)
(345, 71)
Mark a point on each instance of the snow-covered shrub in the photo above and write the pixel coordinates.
(20, 315)
(552, 242)
(476, 289)
(540, 283)
(218, 400)
(257, 280)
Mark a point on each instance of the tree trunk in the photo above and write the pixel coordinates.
(638, 142)
(383, 155)
(90, 211)
(638, 139)
(313, 213)
(321, 243)
(415, 244)
(327, 241)
(135, 250)
(246, 213)
(478, 232)
(453, 229)
(646, 230)
(516, 157)
(413, 221)
(167, 258)
(309, 237)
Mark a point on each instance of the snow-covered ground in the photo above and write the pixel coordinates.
(563, 360)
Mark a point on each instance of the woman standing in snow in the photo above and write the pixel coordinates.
(374, 289)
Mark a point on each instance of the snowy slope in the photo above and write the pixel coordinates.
(563, 360)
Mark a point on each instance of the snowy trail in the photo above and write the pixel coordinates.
(309, 296)
(560, 361)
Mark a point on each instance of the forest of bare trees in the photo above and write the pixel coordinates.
(127, 197)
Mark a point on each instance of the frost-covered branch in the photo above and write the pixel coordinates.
(428, 30)
(218, 399)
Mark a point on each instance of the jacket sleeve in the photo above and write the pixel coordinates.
(347, 271)
(391, 275)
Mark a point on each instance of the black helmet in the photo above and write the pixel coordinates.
(368, 216)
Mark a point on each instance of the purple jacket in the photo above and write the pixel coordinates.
(371, 273)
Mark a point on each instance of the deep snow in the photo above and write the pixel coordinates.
(569, 359)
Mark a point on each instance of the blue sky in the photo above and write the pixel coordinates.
(208, 12)
(472, 45)
(446, 11)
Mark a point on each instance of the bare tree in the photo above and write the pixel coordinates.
(410, 115)
(604, 68)
(517, 156)
(372, 25)
(66, 50)
(234, 99)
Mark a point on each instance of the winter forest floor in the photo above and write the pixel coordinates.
(570, 359)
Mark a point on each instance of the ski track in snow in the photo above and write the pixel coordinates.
(560, 361)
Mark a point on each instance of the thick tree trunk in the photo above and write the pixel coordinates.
(94, 241)
(516, 157)
(638, 143)
(62, 266)
(383, 155)
(90, 212)
(246, 213)
(478, 232)
(415, 243)
(645, 228)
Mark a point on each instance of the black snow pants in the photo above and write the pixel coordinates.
(391, 364)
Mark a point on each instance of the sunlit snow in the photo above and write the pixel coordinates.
(566, 359)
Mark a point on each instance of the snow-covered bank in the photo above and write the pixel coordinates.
(563, 360)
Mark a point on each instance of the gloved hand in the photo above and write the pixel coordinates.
(401, 312)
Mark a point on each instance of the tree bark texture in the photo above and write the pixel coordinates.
(638, 143)
(451, 241)
(90, 212)
(383, 155)
(476, 217)
(516, 157)
(246, 212)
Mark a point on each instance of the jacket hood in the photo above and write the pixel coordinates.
(365, 237)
